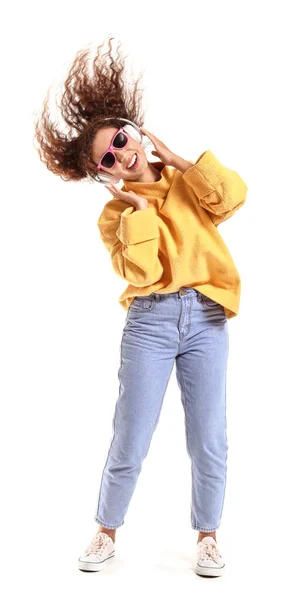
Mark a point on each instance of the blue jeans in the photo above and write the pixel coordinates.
(191, 329)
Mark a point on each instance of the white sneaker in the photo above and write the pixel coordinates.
(209, 559)
(96, 554)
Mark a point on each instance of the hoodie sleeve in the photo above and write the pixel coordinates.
(219, 190)
(131, 237)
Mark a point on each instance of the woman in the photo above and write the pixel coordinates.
(161, 232)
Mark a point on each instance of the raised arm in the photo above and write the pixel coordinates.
(219, 190)
(131, 236)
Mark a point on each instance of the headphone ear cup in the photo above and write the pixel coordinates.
(136, 135)
(108, 179)
(105, 179)
(146, 143)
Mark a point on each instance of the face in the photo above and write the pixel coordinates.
(123, 156)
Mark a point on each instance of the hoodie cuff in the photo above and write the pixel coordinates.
(205, 175)
(137, 226)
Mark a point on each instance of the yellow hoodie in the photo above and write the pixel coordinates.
(175, 242)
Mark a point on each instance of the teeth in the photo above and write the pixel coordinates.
(132, 161)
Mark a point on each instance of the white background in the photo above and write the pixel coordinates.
(219, 76)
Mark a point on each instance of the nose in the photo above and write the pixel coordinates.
(119, 155)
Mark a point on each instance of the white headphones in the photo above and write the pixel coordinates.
(135, 132)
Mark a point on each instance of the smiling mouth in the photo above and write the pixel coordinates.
(133, 162)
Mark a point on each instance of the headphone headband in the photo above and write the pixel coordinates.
(126, 121)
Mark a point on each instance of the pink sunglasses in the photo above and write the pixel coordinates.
(108, 159)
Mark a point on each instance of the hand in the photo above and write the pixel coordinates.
(165, 155)
(130, 197)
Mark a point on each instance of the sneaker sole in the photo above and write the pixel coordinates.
(94, 566)
(209, 571)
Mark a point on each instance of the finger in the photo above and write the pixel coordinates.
(149, 135)
(112, 189)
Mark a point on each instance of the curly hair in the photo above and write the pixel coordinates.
(86, 100)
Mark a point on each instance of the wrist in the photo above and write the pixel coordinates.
(141, 205)
(181, 164)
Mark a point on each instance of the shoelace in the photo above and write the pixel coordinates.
(96, 543)
(208, 551)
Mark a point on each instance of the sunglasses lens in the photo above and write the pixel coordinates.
(108, 160)
(120, 140)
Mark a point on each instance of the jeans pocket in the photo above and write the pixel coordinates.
(209, 302)
(142, 304)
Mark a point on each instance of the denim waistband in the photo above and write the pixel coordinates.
(181, 292)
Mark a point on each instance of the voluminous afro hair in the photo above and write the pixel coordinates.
(87, 98)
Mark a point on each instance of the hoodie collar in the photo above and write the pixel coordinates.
(158, 188)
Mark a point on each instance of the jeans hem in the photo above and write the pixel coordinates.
(105, 524)
(205, 529)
